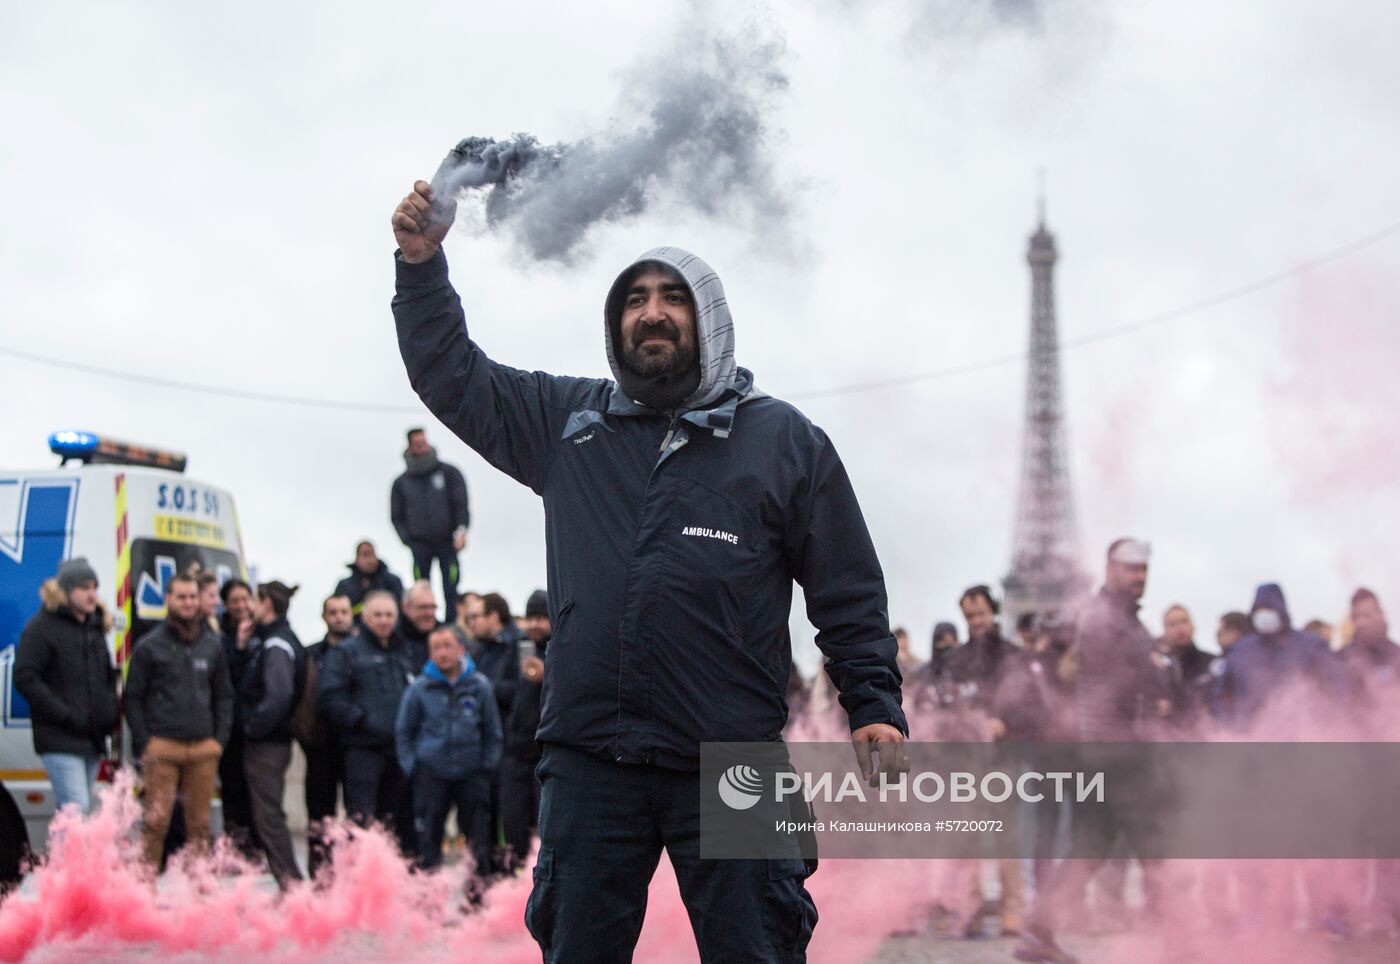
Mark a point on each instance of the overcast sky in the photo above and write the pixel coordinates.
(204, 194)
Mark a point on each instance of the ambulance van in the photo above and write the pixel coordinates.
(138, 519)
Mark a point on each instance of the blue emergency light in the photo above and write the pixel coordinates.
(89, 448)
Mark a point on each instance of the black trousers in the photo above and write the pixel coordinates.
(520, 805)
(265, 764)
(448, 573)
(603, 826)
(325, 773)
(1099, 830)
(236, 801)
(434, 796)
(377, 790)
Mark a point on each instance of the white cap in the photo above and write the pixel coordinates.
(1132, 552)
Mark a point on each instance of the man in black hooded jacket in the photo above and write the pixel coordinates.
(681, 504)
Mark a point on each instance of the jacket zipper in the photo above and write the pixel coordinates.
(670, 434)
(627, 597)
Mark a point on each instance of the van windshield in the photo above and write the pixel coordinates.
(153, 561)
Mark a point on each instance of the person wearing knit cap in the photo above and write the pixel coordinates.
(537, 604)
(75, 572)
(64, 669)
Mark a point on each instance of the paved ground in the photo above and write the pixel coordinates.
(1301, 949)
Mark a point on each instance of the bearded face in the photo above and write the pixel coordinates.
(658, 325)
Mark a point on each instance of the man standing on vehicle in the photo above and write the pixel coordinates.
(428, 506)
(65, 670)
(680, 505)
(179, 705)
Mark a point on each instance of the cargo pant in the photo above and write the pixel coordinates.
(603, 826)
(169, 767)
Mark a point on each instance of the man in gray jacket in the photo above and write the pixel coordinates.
(179, 706)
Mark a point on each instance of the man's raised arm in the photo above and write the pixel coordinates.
(510, 417)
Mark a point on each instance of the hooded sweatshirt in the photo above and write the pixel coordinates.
(714, 335)
(674, 536)
(1260, 665)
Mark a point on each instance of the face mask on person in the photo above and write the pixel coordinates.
(1267, 622)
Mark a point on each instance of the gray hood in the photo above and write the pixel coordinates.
(714, 326)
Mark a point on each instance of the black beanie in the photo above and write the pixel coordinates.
(537, 604)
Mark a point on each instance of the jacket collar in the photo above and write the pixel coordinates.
(431, 671)
(717, 417)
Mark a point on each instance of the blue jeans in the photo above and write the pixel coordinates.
(72, 777)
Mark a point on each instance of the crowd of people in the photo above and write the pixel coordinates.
(675, 542)
(1091, 672)
(406, 717)
(402, 716)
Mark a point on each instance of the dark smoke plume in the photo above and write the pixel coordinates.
(691, 131)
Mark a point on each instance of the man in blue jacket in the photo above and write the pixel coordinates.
(448, 737)
(1275, 657)
(681, 503)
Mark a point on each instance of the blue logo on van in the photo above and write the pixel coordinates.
(150, 593)
(32, 543)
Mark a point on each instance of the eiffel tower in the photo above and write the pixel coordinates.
(1046, 572)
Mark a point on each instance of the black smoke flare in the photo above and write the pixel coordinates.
(699, 138)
